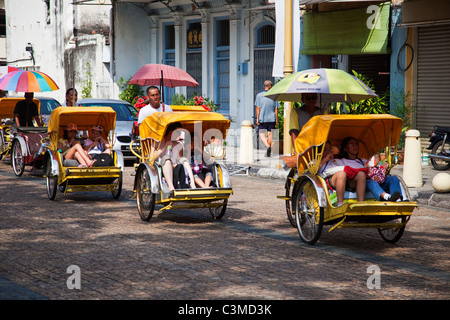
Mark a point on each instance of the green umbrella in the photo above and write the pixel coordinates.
(332, 85)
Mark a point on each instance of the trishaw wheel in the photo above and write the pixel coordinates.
(392, 235)
(145, 198)
(289, 186)
(118, 190)
(218, 212)
(17, 159)
(52, 186)
(2, 144)
(308, 213)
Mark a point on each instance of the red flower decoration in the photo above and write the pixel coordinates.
(140, 103)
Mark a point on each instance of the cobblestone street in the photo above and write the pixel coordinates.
(252, 253)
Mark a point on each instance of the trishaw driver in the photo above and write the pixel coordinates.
(155, 105)
(25, 111)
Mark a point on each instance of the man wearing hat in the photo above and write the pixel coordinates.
(98, 144)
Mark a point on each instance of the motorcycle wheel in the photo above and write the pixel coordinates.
(440, 149)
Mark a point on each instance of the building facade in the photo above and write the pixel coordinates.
(68, 40)
(228, 46)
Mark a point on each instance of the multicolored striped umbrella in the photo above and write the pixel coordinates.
(27, 81)
(333, 85)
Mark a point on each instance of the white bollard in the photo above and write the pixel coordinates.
(246, 145)
(412, 166)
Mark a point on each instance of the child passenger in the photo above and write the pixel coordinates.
(199, 160)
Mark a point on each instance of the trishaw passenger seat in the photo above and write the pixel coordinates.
(70, 163)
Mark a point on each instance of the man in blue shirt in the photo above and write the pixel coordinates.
(266, 116)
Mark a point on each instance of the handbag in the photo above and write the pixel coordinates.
(103, 160)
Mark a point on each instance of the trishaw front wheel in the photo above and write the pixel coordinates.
(218, 212)
(52, 185)
(118, 189)
(145, 198)
(392, 235)
(308, 213)
(17, 159)
(290, 190)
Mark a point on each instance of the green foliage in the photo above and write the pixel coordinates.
(129, 92)
(195, 100)
(87, 83)
(280, 124)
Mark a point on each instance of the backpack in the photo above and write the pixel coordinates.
(179, 177)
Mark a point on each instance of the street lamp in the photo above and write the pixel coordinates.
(29, 48)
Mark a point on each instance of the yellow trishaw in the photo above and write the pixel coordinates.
(7, 106)
(66, 174)
(150, 186)
(307, 197)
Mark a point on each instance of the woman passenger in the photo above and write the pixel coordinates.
(354, 180)
(72, 149)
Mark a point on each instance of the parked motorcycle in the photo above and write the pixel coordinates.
(440, 148)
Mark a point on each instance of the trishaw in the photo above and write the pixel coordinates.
(7, 106)
(307, 197)
(23, 144)
(65, 174)
(150, 186)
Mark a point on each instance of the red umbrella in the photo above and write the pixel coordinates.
(6, 69)
(162, 75)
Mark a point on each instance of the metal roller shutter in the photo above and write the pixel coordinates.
(433, 78)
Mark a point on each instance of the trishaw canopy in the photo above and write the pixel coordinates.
(373, 132)
(84, 117)
(155, 125)
(7, 106)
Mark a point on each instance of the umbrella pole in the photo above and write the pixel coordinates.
(162, 87)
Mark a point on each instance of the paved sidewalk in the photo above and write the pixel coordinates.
(273, 168)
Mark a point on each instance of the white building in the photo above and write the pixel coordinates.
(61, 40)
(227, 46)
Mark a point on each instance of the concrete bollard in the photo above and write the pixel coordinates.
(412, 166)
(246, 145)
(441, 182)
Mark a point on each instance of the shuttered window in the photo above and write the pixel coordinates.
(433, 78)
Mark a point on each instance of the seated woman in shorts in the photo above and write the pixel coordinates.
(72, 149)
(354, 178)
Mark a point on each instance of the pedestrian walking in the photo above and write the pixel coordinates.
(266, 116)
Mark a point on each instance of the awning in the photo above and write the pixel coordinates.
(355, 31)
